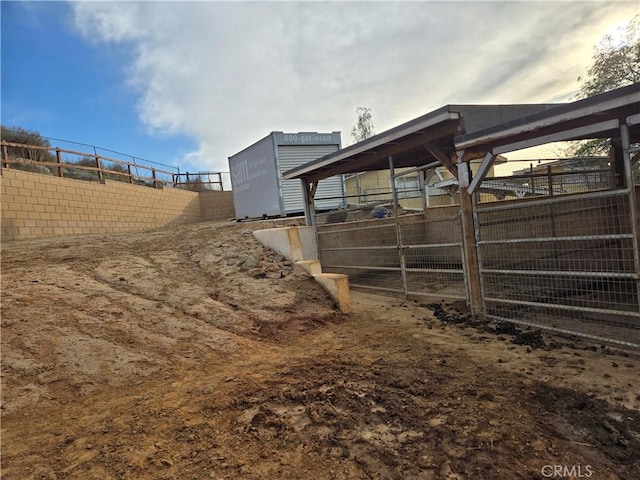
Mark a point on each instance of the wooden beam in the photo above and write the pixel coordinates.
(442, 158)
(469, 155)
(558, 136)
(377, 142)
(382, 153)
(469, 244)
(633, 119)
(482, 172)
(589, 111)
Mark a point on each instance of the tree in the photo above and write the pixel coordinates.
(616, 63)
(111, 170)
(363, 129)
(195, 184)
(26, 137)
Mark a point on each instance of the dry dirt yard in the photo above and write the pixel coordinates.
(195, 353)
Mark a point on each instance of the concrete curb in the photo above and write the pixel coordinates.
(337, 285)
(312, 267)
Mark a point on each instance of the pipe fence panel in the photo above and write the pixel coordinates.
(564, 263)
(556, 247)
(432, 255)
(425, 260)
(367, 251)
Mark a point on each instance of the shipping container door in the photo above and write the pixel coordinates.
(291, 156)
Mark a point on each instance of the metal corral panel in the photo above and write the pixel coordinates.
(291, 156)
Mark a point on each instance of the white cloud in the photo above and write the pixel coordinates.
(228, 73)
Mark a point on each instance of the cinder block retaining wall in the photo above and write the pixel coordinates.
(35, 205)
(216, 205)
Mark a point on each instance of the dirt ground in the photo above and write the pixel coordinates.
(195, 353)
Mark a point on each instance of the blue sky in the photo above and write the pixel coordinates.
(191, 83)
(63, 86)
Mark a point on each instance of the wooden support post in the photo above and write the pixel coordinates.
(100, 175)
(442, 158)
(469, 246)
(59, 161)
(155, 179)
(309, 211)
(533, 179)
(479, 176)
(422, 178)
(5, 155)
(618, 162)
(129, 171)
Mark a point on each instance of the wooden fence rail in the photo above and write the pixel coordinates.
(101, 173)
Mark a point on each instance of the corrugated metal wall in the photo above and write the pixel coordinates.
(291, 156)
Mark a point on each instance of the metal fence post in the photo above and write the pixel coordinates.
(633, 206)
(396, 205)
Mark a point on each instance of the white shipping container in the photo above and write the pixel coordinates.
(259, 190)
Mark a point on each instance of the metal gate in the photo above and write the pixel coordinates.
(412, 254)
(366, 251)
(562, 263)
(431, 255)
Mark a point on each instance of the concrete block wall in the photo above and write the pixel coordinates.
(215, 205)
(35, 205)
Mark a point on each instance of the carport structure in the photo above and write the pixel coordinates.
(567, 262)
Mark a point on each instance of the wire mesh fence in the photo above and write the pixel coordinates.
(34, 139)
(565, 263)
(431, 254)
(78, 165)
(549, 179)
(555, 241)
(365, 250)
(411, 254)
(202, 181)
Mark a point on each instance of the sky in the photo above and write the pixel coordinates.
(188, 84)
